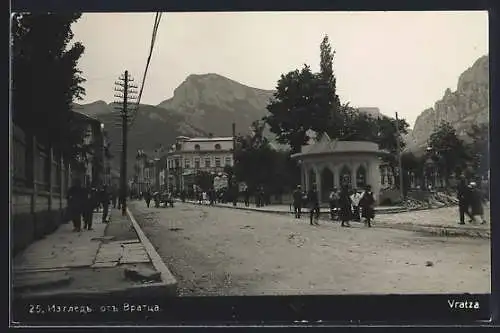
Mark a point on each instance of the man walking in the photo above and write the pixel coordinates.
(114, 196)
(345, 205)
(246, 195)
(464, 200)
(297, 202)
(312, 198)
(105, 203)
(76, 199)
(88, 208)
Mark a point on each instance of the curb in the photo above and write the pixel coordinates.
(444, 231)
(166, 276)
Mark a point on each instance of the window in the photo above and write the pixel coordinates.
(196, 147)
(177, 163)
(217, 146)
(207, 162)
(217, 162)
(187, 163)
(197, 163)
(228, 160)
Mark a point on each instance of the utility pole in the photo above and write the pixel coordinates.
(234, 149)
(400, 164)
(125, 89)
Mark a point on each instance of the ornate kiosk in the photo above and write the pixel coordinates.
(330, 163)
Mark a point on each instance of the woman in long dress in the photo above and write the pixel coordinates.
(345, 203)
(477, 203)
(367, 204)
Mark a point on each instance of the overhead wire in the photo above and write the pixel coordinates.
(156, 24)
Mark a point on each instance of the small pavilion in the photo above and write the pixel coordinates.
(331, 163)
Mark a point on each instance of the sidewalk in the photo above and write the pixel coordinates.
(111, 260)
(437, 221)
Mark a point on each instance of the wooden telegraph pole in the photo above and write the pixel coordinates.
(125, 89)
(400, 164)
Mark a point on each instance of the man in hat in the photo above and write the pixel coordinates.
(464, 196)
(297, 201)
(313, 199)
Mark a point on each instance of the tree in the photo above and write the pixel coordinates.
(294, 108)
(447, 150)
(46, 79)
(387, 139)
(479, 148)
(331, 118)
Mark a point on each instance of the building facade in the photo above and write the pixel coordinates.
(188, 156)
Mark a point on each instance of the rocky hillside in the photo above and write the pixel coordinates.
(213, 102)
(469, 104)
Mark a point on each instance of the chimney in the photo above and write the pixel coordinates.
(234, 130)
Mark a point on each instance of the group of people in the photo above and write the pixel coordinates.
(345, 205)
(470, 201)
(164, 197)
(84, 200)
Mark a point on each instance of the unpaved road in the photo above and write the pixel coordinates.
(220, 251)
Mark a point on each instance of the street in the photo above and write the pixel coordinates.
(220, 251)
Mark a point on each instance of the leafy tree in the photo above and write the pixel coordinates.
(447, 150)
(294, 109)
(46, 79)
(479, 148)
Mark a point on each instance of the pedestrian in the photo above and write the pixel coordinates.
(105, 204)
(333, 200)
(147, 198)
(114, 196)
(235, 194)
(76, 199)
(88, 208)
(477, 203)
(345, 204)
(246, 195)
(367, 204)
(297, 202)
(313, 200)
(464, 200)
(355, 198)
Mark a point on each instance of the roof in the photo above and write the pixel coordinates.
(328, 146)
(225, 138)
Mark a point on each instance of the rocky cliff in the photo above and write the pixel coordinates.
(468, 105)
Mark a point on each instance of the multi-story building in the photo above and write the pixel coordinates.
(188, 156)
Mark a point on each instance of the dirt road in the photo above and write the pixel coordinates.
(219, 251)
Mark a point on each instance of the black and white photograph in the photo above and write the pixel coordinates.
(250, 153)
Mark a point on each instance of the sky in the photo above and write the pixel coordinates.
(396, 61)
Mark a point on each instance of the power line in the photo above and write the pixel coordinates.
(156, 24)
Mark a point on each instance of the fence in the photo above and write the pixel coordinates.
(39, 182)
